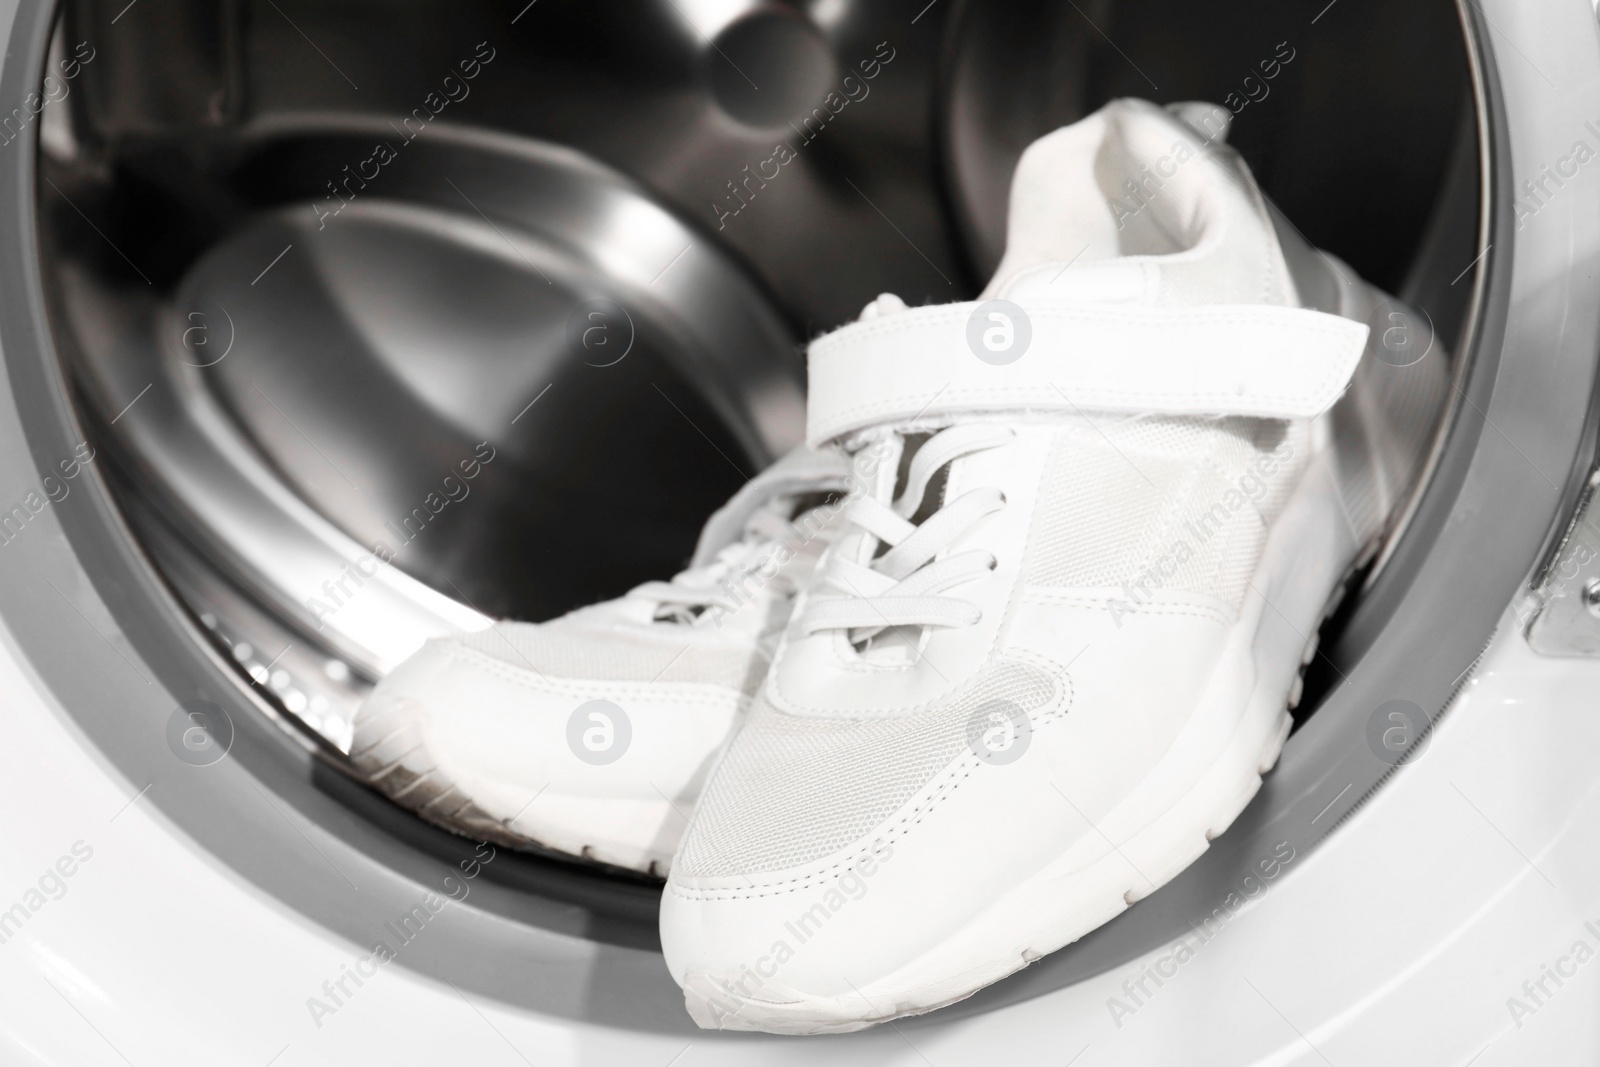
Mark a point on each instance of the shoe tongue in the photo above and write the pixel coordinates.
(1137, 204)
(799, 473)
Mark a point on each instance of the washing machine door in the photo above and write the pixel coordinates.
(244, 343)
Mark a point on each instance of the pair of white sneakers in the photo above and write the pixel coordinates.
(1006, 646)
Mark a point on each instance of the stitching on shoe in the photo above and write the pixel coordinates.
(1011, 394)
(953, 775)
(557, 686)
(1045, 598)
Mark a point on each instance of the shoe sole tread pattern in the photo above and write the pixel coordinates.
(412, 779)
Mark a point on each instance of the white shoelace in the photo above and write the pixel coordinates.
(901, 587)
(688, 596)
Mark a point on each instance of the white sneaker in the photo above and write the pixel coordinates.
(1049, 658)
(592, 734)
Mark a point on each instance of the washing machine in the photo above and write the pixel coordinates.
(331, 325)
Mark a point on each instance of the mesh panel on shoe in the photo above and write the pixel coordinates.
(560, 649)
(1164, 503)
(794, 789)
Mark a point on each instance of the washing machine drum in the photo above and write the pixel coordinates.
(518, 295)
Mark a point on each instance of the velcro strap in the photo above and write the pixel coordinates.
(1229, 359)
